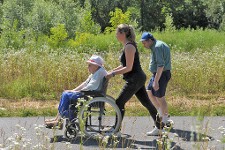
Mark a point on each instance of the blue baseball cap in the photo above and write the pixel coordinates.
(145, 36)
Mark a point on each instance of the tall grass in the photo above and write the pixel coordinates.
(187, 40)
(199, 72)
(40, 73)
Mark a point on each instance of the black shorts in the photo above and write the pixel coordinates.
(163, 81)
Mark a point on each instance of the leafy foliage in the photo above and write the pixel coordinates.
(118, 17)
(169, 23)
(189, 13)
(69, 15)
(11, 38)
(58, 37)
(87, 24)
(215, 12)
(15, 10)
(151, 15)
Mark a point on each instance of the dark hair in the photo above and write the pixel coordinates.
(128, 30)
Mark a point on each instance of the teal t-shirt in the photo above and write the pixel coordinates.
(160, 56)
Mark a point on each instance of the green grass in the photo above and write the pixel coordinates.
(195, 111)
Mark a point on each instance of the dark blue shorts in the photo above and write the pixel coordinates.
(163, 81)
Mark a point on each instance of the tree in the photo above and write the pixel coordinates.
(100, 12)
(102, 8)
(15, 10)
(58, 36)
(86, 24)
(152, 16)
(215, 12)
(187, 13)
(118, 17)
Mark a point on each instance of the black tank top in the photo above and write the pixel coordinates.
(136, 64)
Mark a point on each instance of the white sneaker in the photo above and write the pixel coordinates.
(169, 123)
(155, 132)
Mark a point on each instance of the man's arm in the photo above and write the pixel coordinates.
(160, 66)
(157, 77)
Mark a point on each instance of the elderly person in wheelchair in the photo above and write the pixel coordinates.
(95, 67)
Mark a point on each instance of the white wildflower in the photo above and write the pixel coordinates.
(38, 134)
(41, 126)
(221, 127)
(23, 129)
(105, 139)
(212, 128)
(206, 138)
(10, 139)
(115, 143)
(164, 136)
(175, 134)
(16, 143)
(24, 145)
(17, 125)
(47, 138)
(68, 145)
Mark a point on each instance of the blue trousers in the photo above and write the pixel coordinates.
(66, 99)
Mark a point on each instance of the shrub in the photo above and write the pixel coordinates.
(118, 17)
(58, 36)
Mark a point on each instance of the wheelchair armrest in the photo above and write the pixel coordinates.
(93, 93)
(99, 92)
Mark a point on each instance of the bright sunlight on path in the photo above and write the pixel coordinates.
(188, 133)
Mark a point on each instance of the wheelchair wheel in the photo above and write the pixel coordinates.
(70, 133)
(100, 116)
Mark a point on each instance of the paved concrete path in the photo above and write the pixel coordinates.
(188, 133)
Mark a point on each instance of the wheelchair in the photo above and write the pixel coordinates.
(97, 114)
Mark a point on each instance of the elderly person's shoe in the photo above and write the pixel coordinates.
(57, 124)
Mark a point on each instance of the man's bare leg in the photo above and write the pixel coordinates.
(155, 102)
(164, 107)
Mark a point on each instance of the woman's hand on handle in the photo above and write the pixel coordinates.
(109, 75)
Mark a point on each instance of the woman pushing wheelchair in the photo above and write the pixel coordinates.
(95, 67)
(132, 73)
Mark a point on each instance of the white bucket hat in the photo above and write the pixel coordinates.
(96, 60)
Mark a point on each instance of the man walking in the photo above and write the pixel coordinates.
(160, 66)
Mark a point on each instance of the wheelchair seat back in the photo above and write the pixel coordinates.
(100, 91)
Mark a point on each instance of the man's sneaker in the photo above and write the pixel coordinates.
(169, 123)
(155, 132)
